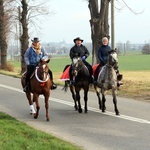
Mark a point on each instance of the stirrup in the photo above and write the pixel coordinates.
(25, 89)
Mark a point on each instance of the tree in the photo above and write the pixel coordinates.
(3, 35)
(99, 24)
(24, 37)
(146, 49)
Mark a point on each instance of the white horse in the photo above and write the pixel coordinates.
(107, 80)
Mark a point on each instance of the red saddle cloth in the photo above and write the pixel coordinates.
(65, 75)
(94, 68)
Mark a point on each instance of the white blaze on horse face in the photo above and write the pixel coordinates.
(75, 60)
(115, 56)
(44, 72)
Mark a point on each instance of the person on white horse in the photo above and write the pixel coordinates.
(103, 53)
(32, 57)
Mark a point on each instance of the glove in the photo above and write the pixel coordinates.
(83, 58)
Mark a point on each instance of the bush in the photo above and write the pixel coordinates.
(146, 49)
(9, 67)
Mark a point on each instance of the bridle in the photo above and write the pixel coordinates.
(42, 72)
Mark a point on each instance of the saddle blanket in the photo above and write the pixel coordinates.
(65, 75)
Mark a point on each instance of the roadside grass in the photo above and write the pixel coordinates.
(15, 135)
(135, 70)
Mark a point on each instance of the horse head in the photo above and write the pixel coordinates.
(77, 64)
(43, 69)
(113, 59)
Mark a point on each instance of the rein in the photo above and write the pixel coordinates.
(38, 77)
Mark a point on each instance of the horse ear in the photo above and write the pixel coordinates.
(48, 61)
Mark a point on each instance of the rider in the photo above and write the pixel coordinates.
(82, 51)
(103, 52)
(32, 57)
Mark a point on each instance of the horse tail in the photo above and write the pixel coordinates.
(65, 88)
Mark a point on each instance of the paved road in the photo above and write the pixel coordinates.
(91, 131)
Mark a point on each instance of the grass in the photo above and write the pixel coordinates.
(15, 135)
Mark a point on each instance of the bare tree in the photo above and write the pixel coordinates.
(4, 18)
(99, 24)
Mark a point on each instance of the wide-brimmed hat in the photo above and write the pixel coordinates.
(35, 40)
(78, 38)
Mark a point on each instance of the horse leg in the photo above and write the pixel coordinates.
(32, 110)
(35, 97)
(103, 101)
(74, 97)
(115, 102)
(47, 105)
(78, 99)
(85, 100)
(99, 98)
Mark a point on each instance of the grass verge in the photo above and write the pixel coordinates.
(16, 135)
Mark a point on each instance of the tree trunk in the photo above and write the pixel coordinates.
(24, 37)
(99, 25)
(3, 43)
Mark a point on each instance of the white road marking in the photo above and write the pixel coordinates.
(89, 108)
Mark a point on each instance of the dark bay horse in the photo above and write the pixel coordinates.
(107, 79)
(40, 84)
(81, 81)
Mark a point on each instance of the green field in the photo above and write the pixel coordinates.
(126, 63)
(134, 63)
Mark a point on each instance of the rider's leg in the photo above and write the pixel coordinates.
(54, 86)
(30, 70)
(90, 70)
(71, 76)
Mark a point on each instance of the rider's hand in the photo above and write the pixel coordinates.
(83, 58)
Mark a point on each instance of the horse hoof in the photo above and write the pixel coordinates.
(103, 111)
(85, 111)
(48, 119)
(80, 110)
(117, 113)
(76, 108)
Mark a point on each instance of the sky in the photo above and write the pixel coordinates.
(71, 19)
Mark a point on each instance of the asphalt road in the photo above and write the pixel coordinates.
(91, 131)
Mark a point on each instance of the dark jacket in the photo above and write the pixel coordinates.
(103, 54)
(79, 51)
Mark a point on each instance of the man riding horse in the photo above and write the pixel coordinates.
(81, 51)
(32, 57)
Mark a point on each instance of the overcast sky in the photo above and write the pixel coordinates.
(71, 19)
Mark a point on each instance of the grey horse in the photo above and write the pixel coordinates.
(107, 79)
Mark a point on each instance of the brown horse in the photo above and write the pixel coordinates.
(40, 84)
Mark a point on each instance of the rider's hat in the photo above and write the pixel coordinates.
(35, 40)
(78, 38)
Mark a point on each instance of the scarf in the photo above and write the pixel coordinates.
(36, 49)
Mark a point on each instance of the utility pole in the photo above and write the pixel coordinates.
(113, 46)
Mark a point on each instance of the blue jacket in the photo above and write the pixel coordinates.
(31, 58)
(103, 53)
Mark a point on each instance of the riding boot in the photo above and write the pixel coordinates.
(119, 78)
(54, 86)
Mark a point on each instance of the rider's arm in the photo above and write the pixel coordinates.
(100, 55)
(26, 57)
(86, 52)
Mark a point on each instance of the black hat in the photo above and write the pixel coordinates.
(36, 40)
(78, 38)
